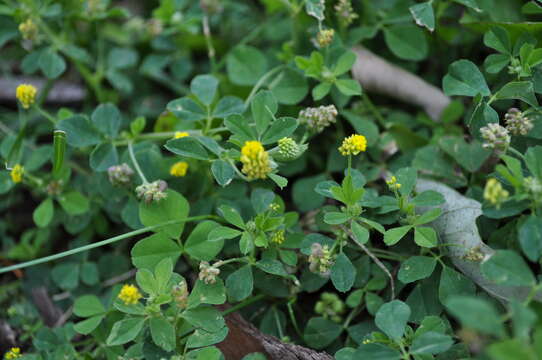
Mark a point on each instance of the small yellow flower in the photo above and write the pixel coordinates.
(28, 29)
(278, 237)
(179, 169)
(181, 134)
(393, 184)
(353, 145)
(494, 193)
(256, 162)
(26, 94)
(129, 294)
(17, 173)
(13, 353)
(252, 148)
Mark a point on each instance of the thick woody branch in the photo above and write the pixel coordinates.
(378, 75)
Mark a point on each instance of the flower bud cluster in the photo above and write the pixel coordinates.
(495, 137)
(152, 192)
(120, 175)
(330, 306)
(208, 273)
(494, 192)
(345, 12)
(325, 37)
(318, 118)
(516, 123)
(320, 259)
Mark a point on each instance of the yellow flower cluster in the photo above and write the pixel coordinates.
(494, 192)
(393, 184)
(26, 94)
(256, 162)
(129, 294)
(17, 173)
(325, 37)
(28, 29)
(278, 237)
(13, 353)
(353, 145)
(180, 134)
(179, 169)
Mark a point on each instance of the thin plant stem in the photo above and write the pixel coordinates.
(99, 243)
(240, 174)
(208, 40)
(515, 152)
(375, 259)
(262, 81)
(136, 164)
(294, 320)
(45, 114)
(372, 108)
(243, 304)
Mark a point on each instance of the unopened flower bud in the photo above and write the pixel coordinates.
(288, 150)
(495, 137)
(516, 123)
(120, 174)
(318, 118)
(152, 192)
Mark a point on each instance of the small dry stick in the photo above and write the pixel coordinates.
(375, 259)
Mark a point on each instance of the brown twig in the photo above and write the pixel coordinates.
(380, 76)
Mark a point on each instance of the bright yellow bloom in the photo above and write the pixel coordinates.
(17, 173)
(181, 134)
(252, 148)
(129, 294)
(494, 193)
(278, 237)
(353, 145)
(179, 169)
(256, 162)
(13, 353)
(26, 94)
(393, 184)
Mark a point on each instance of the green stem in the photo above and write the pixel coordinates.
(136, 164)
(45, 91)
(294, 321)
(240, 174)
(45, 114)
(208, 41)
(243, 304)
(99, 243)
(372, 108)
(515, 152)
(249, 37)
(262, 81)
